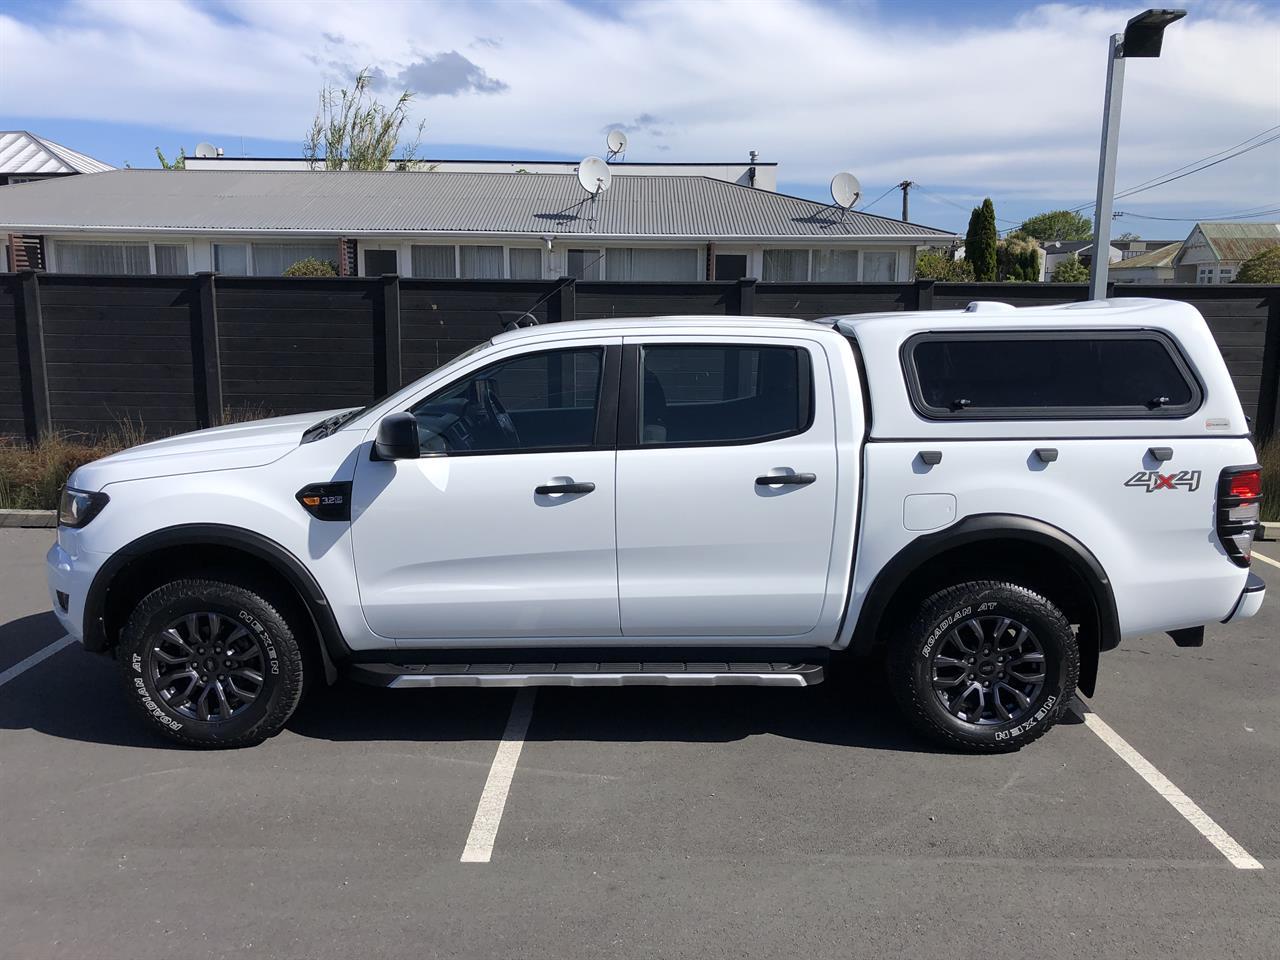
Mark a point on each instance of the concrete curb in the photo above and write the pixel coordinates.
(28, 518)
(1270, 530)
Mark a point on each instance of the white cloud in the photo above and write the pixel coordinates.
(1009, 109)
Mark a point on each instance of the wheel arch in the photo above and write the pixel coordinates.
(128, 570)
(1008, 546)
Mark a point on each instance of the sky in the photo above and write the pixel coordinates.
(967, 98)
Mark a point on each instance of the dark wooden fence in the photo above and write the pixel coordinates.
(83, 354)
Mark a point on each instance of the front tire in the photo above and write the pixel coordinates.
(985, 667)
(211, 664)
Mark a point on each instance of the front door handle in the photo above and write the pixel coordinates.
(549, 488)
(786, 480)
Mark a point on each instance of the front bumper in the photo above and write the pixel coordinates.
(1250, 600)
(70, 574)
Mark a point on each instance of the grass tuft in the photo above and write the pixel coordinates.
(1269, 457)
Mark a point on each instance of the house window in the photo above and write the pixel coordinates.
(480, 263)
(584, 264)
(783, 266)
(646, 263)
(526, 263)
(231, 259)
(835, 266)
(171, 259)
(434, 262)
(880, 267)
(83, 256)
(273, 259)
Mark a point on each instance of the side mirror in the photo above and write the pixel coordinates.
(397, 438)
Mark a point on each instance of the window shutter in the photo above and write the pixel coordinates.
(26, 252)
(347, 264)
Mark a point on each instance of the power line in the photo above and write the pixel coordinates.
(881, 197)
(1240, 216)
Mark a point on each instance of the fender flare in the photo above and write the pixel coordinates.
(984, 527)
(295, 573)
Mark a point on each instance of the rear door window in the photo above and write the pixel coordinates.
(1049, 375)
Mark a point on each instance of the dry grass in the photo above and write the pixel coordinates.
(1269, 457)
(32, 474)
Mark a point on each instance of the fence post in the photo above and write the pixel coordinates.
(206, 354)
(747, 297)
(387, 376)
(924, 294)
(564, 303)
(32, 372)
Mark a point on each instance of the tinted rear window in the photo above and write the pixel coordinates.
(1039, 375)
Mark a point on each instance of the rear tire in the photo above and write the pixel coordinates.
(211, 664)
(985, 667)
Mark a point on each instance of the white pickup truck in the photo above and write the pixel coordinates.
(983, 500)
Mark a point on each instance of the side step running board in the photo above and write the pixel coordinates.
(587, 674)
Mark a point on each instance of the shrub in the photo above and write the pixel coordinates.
(311, 267)
(1071, 270)
(1269, 457)
(1263, 268)
(941, 266)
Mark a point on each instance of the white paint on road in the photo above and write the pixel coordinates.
(1265, 559)
(484, 828)
(44, 653)
(1190, 810)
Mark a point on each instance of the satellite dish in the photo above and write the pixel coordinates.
(206, 150)
(594, 175)
(845, 189)
(617, 142)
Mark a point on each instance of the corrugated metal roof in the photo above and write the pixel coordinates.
(323, 202)
(1160, 257)
(25, 153)
(1239, 241)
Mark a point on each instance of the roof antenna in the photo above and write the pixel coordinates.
(594, 176)
(845, 191)
(617, 144)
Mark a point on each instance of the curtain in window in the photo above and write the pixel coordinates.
(526, 263)
(584, 264)
(273, 259)
(786, 265)
(433, 262)
(231, 259)
(880, 267)
(644, 263)
(171, 259)
(835, 266)
(480, 263)
(102, 258)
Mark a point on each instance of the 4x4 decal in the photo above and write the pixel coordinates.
(1152, 480)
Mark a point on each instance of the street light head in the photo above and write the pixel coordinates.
(1145, 32)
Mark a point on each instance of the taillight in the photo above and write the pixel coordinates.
(1239, 508)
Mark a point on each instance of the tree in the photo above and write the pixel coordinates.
(311, 267)
(931, 265)
(1057, 225)
(1071, 270)
(1128, 235)
(980, 241)
(353, 131)
(1018, 258)
(179, 162)
(1261, 268)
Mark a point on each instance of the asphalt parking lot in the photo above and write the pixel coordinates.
(644, 822)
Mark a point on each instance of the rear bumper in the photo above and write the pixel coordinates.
(1250, 600)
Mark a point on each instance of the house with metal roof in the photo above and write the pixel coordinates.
(1213, 251)
(446, 224)
(1151, 266)
(25, 157)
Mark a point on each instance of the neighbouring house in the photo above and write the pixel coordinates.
(1152, 266)
(25, 157)
(751, 173)
(1056, 251)
(1213, 251)
(445, 224)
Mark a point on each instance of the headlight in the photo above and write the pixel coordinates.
(78, 507)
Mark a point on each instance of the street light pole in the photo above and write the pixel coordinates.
(1107, 170)
(1142, 37)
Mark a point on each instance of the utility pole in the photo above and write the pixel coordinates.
(904, 186)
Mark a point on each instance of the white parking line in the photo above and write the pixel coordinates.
(44, 653)
(1265, 559)
(1190, 810)
(484, 828)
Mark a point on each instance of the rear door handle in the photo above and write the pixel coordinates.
(549, 488)
(786, 480)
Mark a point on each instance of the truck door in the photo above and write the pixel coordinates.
(504, 527)
(726, 486)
